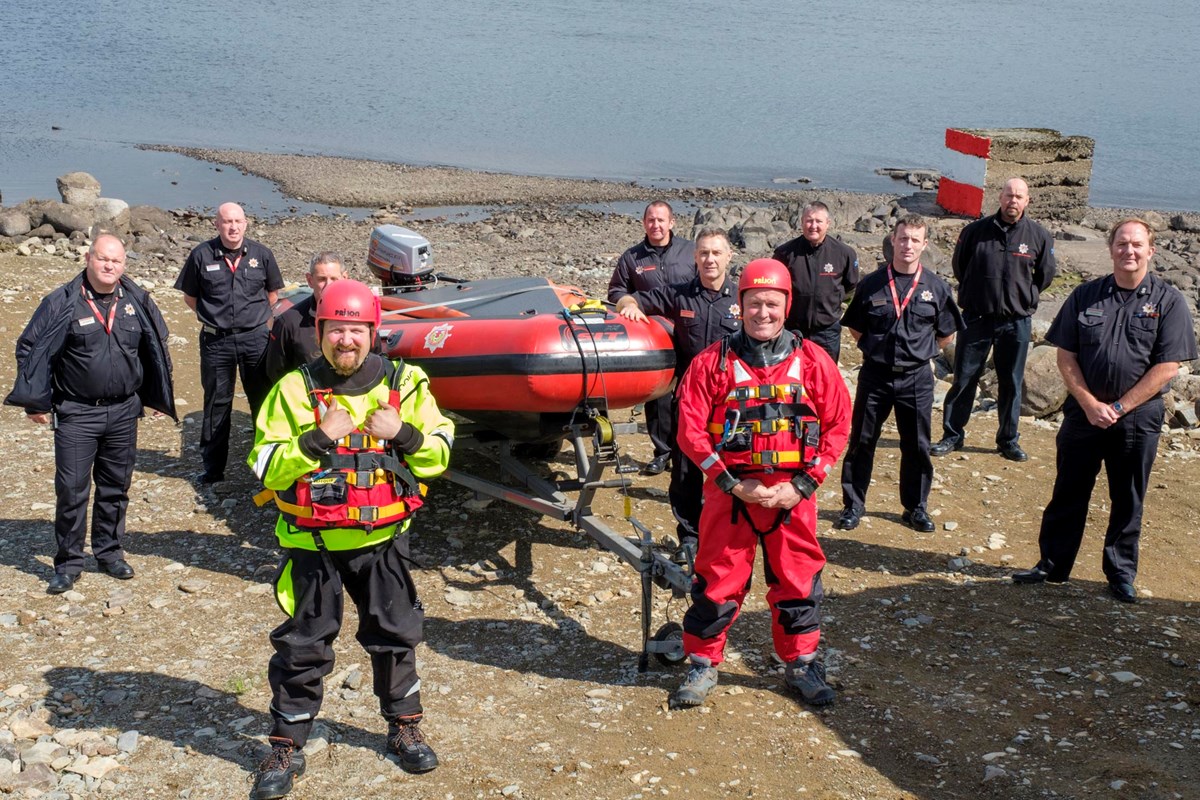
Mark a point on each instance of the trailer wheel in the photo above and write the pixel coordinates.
(671, 633)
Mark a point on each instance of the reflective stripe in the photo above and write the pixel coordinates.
(416, 687)
(445, 436)
(708, 462)
(740, 375)
(264, 458)
(794, 370)
(290, 717)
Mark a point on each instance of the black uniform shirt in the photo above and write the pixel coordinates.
(229, 299)
(1002, 269)
(1118, 336)
(293, 341)
(701, 316)
(643, 266)
(95, 364)
(821, 277)
(911, 341)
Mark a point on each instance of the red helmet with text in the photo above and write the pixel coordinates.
(348, 301)
(765, 273)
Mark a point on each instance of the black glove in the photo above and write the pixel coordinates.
(803, 483)
(409, 439)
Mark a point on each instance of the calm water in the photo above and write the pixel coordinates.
(699, 91)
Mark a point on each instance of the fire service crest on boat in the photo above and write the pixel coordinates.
(437, 337)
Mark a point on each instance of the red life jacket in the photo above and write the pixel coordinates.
(361, 482)
(766, 422)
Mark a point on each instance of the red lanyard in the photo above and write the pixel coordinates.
(112, 310)
(895, 297)
(233, 265)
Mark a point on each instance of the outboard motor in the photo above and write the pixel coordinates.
(399, 257)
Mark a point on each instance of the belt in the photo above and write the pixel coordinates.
(211, 331)
(103, 401)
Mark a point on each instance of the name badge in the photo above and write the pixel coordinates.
(211, 267)
(86, 321)
(685, 314)
(880, 302)
(1093, 312)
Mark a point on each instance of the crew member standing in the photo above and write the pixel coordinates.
(1002, 263)
(293, 339)
(230, 282)
(93, 354)
(901, 316)
(823, 271)
(661, 259)
(341, 444)
(704, 310)
(1120, 341)
(764, 413)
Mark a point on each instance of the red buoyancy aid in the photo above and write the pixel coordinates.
(766, 422)
(361, 482)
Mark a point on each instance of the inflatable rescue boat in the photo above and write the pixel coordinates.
(520, 356)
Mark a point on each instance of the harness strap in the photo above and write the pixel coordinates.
(365, 514)
(767, 391)
(739, 509)
(772, 458)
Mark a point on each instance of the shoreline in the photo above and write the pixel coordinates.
(366, 183)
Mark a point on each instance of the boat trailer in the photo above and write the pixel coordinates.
(593, 440)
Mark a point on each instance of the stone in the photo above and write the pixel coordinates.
(14, 223)
(193, 586)
(68, 218)
(78, 188)
(96, 767)
(1189, 223)
(111, 215)
(127, 742)
(458, 597)
(38, 777)
(1124, 676)
(1155, 219)
(991, 772)
(1044, 392)
(29, 728)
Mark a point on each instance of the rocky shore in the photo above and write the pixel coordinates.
(951, 681)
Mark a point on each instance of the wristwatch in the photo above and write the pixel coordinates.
(1120, 409)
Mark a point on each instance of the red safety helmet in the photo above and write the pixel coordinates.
(766, 273)
(348, 301)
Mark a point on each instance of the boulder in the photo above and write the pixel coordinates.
(1045, 391)
(78, 189)
(14, 223)
(150, 221)
(67, 218)
(1185, 222)
(111, 215)
(1155, 219)
(751, 238)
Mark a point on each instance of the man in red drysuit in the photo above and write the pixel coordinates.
(765, 414)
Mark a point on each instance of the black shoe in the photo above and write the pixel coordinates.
(1013, 452)
(848, 521)
(406, 740)
(946, 446)
(918, 520)
(1123, 592)
(209, 478)
(657, 465)
(685, 555)
(274, 776)
(1039, 573)
(119, 569)
(61, 582)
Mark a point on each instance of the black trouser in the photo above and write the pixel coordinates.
(390, 619)
(660, 423)
(686, 495)
(879, 391)
(1008, 339)
(1127, 450)
(221, 359)
(829, 339)
(92, 443)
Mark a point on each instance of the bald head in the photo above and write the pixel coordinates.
(1013, 200)
(105, 263)
(231, 225)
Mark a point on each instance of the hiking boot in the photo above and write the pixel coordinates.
(701, 679)
(274, 776)
(406, 740)
(808, 680)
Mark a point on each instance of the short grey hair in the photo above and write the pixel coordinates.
(326, 257)
(710, 232)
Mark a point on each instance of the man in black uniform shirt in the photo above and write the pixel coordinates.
(661, 259)
(94, 352)
(704, 311)
(1002, 263)
(823, 271)
(231, 284)
(1120, 341)
(293, 339)
(901, 316)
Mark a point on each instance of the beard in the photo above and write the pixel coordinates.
(347, 362)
